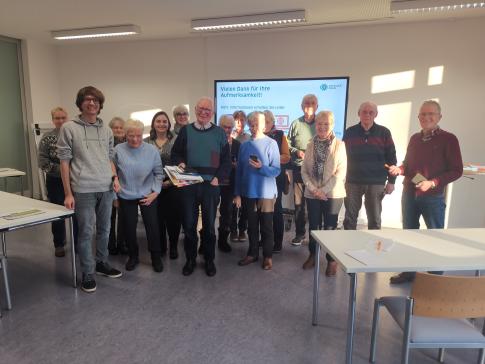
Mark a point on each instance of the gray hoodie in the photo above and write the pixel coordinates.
(89, 148)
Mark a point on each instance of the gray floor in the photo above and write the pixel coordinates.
(242, 315)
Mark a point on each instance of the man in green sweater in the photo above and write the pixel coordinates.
(300, 133)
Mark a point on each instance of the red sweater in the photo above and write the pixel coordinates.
(438, 159)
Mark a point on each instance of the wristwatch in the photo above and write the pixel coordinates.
(433, 185)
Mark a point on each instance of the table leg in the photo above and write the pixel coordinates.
(351, 317)
(5, 282)
(73, 253)
(4, 245)
(21, 185)
(316, 275)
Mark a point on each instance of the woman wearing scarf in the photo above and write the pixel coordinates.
(323, 172)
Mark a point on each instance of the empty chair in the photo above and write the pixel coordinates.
(435, 316)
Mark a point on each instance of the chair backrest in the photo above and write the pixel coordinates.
(448, 296)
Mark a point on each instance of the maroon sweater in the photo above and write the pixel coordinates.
(437, 159)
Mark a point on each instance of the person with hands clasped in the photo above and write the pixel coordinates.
(323, 171)
(140, 173)
(255, 189)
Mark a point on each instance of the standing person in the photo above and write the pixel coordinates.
(279, 137)
(202, 146)
(300, 133)
(238, 213)
(140, 172)
(226, 122)
(181, 117)
(323, 172)
(169, 212)
(256, 191)
(432, 161)
(50, 164)
(117, 243)
(85, 149)
(369, 148)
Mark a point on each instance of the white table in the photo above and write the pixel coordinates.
(413, 251)
(12, 203)
(10, 172)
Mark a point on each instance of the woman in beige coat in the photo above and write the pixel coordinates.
(323, 171)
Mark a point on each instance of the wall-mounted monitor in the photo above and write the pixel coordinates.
(283, 97)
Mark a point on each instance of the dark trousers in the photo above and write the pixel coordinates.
(207, 197)
(55, 193)
(260, 220)
(299, 190)
(322, 214)
(373, 195)
(225, 211)
(242, 224)
(169, 217)
(116, 233)
(278, 222)
(149, 214)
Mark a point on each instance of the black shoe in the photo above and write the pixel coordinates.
(224, 247)
(210, 268)
(157, 262)
(132, 263)
(88, 284)
(104, 269)
(277, 249)
(174, 254)
(189, 267)
(298, 240)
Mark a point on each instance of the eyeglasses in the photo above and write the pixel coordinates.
(227, 127)
(425, 114)
(203, 109)
(181, 114)
(89, 99)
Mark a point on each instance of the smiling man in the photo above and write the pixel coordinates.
(433, 160)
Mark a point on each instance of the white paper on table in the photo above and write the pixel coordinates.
(374, 252)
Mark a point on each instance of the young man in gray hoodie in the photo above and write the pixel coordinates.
(85, 149)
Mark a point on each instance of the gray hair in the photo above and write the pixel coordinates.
(115, 120)
(368, 103)
(269, 115)
(326, 114)
(180, 108)
(254, 115)
(309, 97)
(433, 102)
(133, 124)
(226, 119)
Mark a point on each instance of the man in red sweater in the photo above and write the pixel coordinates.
(433, 160)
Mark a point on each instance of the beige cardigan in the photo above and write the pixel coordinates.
(335, 170)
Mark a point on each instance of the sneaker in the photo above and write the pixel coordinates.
(104, 269)
(298, 240)
(131, 263)
(242, 236)
(234, 236)
(88, 284)
(59, 252)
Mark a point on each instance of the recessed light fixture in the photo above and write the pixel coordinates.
(426, 6)
(244, 22)
(110, 31)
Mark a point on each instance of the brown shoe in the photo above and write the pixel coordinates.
(331, 270)
(267, 263)
(309, 263)
(59, 252)
(247, 260)
(233, 236)
(242, 236)
(403, 277)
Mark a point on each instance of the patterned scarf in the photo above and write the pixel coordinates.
(320, 154)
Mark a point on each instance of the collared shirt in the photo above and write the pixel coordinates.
(202, 127)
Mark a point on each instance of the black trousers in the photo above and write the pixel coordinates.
(299, 191)
(55, 193)
(117, 231)
(169, 217)
(259, 222)
(205, 196)
(149, 214)
(278, 221)
(225, 209)
(322, 214)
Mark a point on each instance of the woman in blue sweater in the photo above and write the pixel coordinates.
(257, 168)
(140, 174)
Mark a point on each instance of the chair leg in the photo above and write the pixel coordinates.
(441, 355)
(481, 357)
(407, 332)
(375, 329)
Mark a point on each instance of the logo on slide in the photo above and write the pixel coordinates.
(323, 87)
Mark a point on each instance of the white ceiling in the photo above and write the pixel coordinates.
(158, 19)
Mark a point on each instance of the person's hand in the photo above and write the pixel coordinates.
(147, 200)
(167, 184)
(69, 202)
(320, 195)
(116, 185)
(424, 186)
(389, 188)
(215, 182)
(394, 171)
(300, 154)
(237, 201)
(255, 164)
(182, 165)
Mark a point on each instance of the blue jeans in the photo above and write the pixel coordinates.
(93, 208)
(431, 207)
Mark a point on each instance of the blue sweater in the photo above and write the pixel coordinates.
(258, 183)
(139, 170)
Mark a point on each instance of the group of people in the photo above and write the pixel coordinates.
(109, 173)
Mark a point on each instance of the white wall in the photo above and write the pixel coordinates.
(148, 74)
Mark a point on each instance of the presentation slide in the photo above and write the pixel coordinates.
(283, 97)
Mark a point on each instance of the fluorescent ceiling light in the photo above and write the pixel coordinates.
(249, 21)
(416, 6)
(111, 31)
